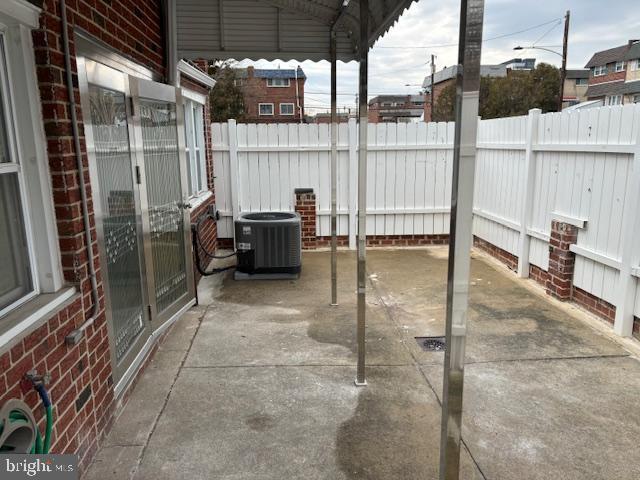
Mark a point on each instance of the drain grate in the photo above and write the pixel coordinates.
(432, 344)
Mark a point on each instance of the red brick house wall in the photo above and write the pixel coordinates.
(256, 91)
(82, 386)
(609, 77)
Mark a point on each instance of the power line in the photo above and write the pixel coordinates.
(443, 45)
(548, 31)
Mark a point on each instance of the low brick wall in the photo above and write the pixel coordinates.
(505, 257)
(557, 280)
(595, 305)
(325, 242)
(539, 275)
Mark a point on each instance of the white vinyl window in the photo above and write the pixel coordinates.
(599, 70)
(286, 109)
(265, 109)
(634, 64)
(619, 66)
(18, 281)
(613, 100)
(29, 251)
(278, 82)
(194, 146)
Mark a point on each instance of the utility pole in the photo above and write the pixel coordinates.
(563, 70)
(433, 73)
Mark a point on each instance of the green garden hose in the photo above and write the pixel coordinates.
(20, 416)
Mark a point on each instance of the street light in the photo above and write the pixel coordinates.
(537, 48)
(563, 70)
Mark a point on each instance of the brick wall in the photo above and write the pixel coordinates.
(505, 257)
(82, 386)
(306, 207)
(561, 259)
(80, 420)
(609, 77)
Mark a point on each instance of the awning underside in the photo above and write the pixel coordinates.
(277, 29)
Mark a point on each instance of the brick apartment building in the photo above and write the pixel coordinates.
(614, 75)
(272, 95)
(447, 76)
(74, 302)
(396, 108)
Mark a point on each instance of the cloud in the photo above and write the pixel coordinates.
(593, 27)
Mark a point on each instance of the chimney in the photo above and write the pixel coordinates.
(250, 71)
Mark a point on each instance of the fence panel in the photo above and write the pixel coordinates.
(500, 181)
(580, 167)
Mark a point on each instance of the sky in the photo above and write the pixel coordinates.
(595, 25)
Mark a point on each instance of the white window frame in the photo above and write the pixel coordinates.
(634, 64)
(599, 70)
(195, 151)
(13, 166)
(27, 140)
(582, 82)
(293, 109)
(619, 67)
(260, 114)
(275, 82)
(612, 100)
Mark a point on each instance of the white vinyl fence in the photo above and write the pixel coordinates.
(580, 167)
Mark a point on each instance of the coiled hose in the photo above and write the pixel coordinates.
(197, 245)
(40, 446)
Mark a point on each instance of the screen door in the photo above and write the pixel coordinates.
(160, 129)
(108, 131)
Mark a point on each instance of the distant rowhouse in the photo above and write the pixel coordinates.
(272, 95)
(614, 75)
(396, 108)
(576, 83)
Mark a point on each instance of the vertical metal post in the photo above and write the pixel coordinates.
(563, 70)
(334, 170)
(433, 75)
(362, 187)
(464, 156)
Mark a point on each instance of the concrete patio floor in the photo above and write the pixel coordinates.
(257, 383)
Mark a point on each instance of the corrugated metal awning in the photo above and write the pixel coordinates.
(277, 29)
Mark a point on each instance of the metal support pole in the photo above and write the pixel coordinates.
(563, 70)
(433, 74)
(334, 170)
(362, 188)
(464, 156)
